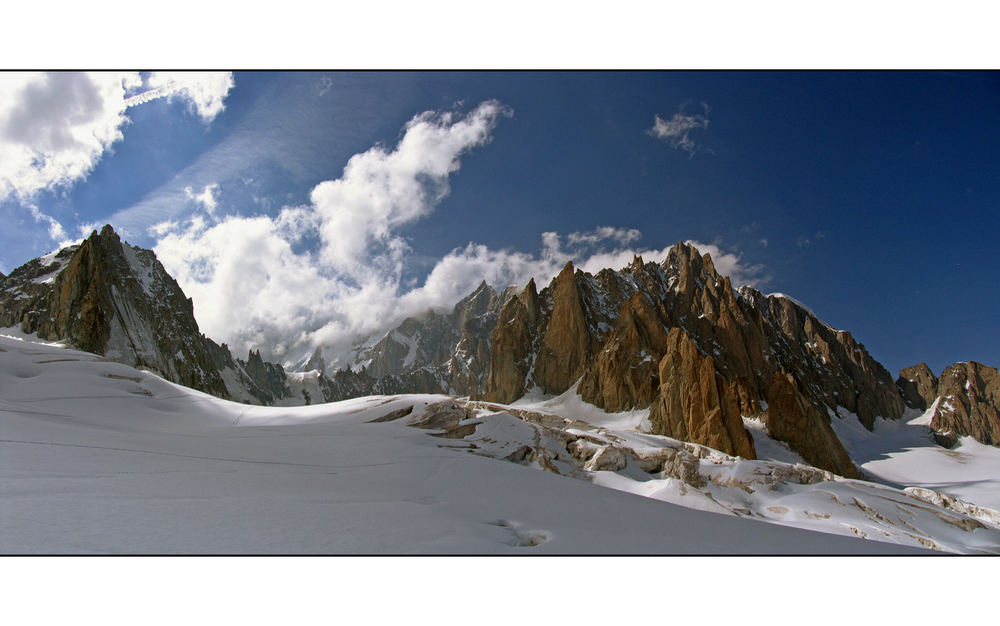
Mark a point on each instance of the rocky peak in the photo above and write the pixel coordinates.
(567, 343)
(316, 362)
(968, 403)
(792, 418)
(918, 386)
(107, 297)
(625, 374)
(513, 346)
(608, 331)
(447, 352)
(695, 403)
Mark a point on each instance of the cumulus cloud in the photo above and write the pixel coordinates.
(253, 281)
(55, 126)
(331, 272)
(677, 130)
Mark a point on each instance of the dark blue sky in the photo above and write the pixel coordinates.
(877, 193)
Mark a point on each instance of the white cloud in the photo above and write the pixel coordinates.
(56, 231)
(624, 236)
(676, 131)
(203, 91)
(731, 264)
(162, 228)
(331, 272)
(56, 126)
(381, 190)
(208, 198)
(251, 288)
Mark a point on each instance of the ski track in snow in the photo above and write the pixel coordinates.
(97, 457)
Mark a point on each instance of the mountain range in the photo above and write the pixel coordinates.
(674, 339)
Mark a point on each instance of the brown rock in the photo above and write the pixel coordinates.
(695, 404)
(625, 374)
(565, 349)
(970, 403)
(118, 301)
(511, 351)
(918, 386)
(792, 419)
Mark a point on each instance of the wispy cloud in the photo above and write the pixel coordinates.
(676, 131)
(325, 85)
(623, 236)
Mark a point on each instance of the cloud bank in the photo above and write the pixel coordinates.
(330, 273)
(56, 126)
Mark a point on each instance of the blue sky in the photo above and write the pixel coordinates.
(871, 197)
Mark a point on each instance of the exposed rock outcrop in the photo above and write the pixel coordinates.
(970, 403)
(451, 348)
(512, 346)
(695, 403)
(625, 374)
(609, 332)
(672, 336)
(918, 386)
(792, 419)
(967, 396)
(567, 343)
(107, 297)
(112, 299)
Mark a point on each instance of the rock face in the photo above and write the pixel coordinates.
(918, 386)
(968, 400)
(567, 344)
(695, 403)
(512, 350)
(626, 373)
(107, 297)
(609, 331)
(673, 337)
(443, 352)
(792, 419)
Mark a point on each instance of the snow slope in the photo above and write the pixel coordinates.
(97, 457)
(903, 453)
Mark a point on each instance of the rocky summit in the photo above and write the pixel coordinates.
(107, 297)
(965, 400)
(674, 338)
